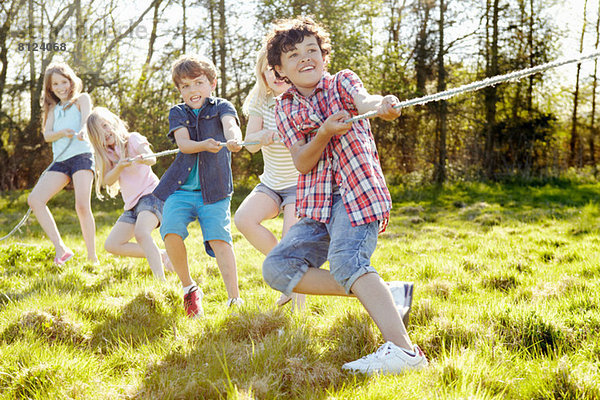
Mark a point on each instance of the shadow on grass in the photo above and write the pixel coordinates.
(263, 355)
(144, 319)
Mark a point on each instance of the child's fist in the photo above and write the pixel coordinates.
(233, 146)
(336, 124)
(268, 137)
(211, 145)
(386, 109)
(68, 132)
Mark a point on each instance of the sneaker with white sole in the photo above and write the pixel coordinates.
(402, 293)
(388, 359)
(192, 302)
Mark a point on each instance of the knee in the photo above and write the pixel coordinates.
(82, 208)
(34, 202)
(242, 221)
(141, 235)
(110, 246)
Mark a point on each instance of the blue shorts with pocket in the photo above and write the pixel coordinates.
(148, 202)
(74, 164)
(183, 207)
(309, 243)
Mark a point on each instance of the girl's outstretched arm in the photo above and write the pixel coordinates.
(112, 176)
(256, 133)
(145, 152)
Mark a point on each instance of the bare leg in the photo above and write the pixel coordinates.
(47, 187)
(226, 262)
(177, 253)
(256, 208)
(145, 224)
(321, 282)
(82, 183)
(118, 241)
(375, 296)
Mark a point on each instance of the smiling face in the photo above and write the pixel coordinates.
(109, 132)
(195, 91)
(278, 86)
(61, 87)
(303, 65)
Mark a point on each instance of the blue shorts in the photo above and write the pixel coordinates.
(148, 202)
(281, 197)
(183, 207)
(310, 243)
(74, 164)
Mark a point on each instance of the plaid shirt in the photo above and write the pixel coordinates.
(349, 161)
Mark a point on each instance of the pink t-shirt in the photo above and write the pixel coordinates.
(138, 179)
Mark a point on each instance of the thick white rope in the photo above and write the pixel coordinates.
(471, 87)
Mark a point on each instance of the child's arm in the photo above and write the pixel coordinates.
(307, 155)
(366, 102)
(256, 133)
(113, 175)
(146, 156)
(84, 103)
(51, 136)
(232, 133)
(189, 146)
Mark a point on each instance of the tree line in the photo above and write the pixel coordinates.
(404, 47)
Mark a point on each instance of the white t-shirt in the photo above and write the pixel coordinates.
(279, 170)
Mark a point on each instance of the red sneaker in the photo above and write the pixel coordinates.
(192, 302)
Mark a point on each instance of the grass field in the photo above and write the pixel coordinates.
(507, 305)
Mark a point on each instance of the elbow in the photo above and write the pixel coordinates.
(302, 169)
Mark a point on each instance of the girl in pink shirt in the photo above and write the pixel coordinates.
(124, 162)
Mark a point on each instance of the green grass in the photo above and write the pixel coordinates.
(507, 305)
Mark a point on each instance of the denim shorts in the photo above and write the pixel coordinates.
(74, 164)
(148, 202)
(310, 243)
(281, 197)
(183, 207)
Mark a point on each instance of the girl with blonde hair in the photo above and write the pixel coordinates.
(124, 163)
(276, 192)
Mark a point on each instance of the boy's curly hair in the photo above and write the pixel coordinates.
(191, 67)
(287, 33)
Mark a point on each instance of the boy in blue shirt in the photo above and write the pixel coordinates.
(198, 185)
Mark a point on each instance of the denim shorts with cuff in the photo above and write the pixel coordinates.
(74, 164)
(281, 197)
(148, 202)
(183, 207)
(309, 243)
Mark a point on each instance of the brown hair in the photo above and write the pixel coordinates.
(49, 99)
(192, 67)
(287, 33)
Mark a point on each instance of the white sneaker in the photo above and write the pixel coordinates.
(235, 302)
(388, 359)
(402, 293)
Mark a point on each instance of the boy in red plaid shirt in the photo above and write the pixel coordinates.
(342, 196)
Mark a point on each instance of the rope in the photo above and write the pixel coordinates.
(159, 154)
(471, 87)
